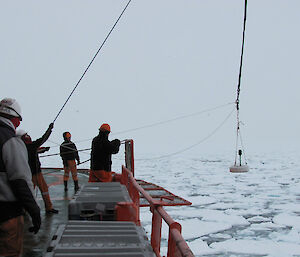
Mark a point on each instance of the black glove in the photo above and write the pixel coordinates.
(36, 222)
(115, 145)
(78, 162)
(43, 149)
(116, 142)
(51, 126)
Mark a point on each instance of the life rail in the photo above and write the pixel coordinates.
(177, 246)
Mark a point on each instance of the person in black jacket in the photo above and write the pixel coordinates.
(69, 154)
(33, 149)
(16, 189)
(102, 149)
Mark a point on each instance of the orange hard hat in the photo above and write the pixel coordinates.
(105, 127)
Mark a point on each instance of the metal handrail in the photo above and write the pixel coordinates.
(177, 246)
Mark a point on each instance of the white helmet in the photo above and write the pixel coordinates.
(10, 106)
(20, 132)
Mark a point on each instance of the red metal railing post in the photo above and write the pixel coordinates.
(172, 247)
(133, 193)
(123, 176)
(132, 157)
(129, 155)
(135, 196)
(156, 231)
(124, 179)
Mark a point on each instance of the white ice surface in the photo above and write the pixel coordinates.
(250, 214)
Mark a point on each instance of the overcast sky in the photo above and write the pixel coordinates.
(165, 59)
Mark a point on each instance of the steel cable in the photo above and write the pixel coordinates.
(92, 60)
(189, 147)
(175, 153)
(162, 122)
(174, 119)
(239, 85)
(156, 124)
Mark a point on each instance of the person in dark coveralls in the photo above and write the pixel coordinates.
(16, 188)
(69, 154)
(33, 149)
(102, 149)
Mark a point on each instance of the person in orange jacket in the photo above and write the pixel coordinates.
(69, 154)
(102, 149)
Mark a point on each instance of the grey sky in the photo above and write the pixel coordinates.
(165, 59)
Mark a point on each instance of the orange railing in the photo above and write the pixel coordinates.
(177, 246)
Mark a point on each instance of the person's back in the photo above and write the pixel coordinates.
(102, 149)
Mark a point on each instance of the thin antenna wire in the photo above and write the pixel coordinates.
(92, 61)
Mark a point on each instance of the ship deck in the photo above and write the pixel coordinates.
(36, 245)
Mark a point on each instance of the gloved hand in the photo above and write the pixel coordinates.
(51, 125)
(116, 145)
(116, 142)
(36, 222)
(78, 162)
(43, 149)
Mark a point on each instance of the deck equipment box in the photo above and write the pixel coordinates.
(97, 201)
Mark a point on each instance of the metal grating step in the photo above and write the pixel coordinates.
(100, 238)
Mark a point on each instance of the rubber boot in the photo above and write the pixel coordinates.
(66, 185)
(76, 186)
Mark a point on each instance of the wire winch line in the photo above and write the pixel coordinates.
(243, 148)
(164, 122)
(241, 59)
(146, 126)
(239, 85)
(58, 145)
(192, 146)
(84, 161)
(92, 60)
(174, 119)
(82, 150)
(69, 148)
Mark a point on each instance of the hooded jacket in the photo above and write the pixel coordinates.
(16, 188)
(102, 149)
